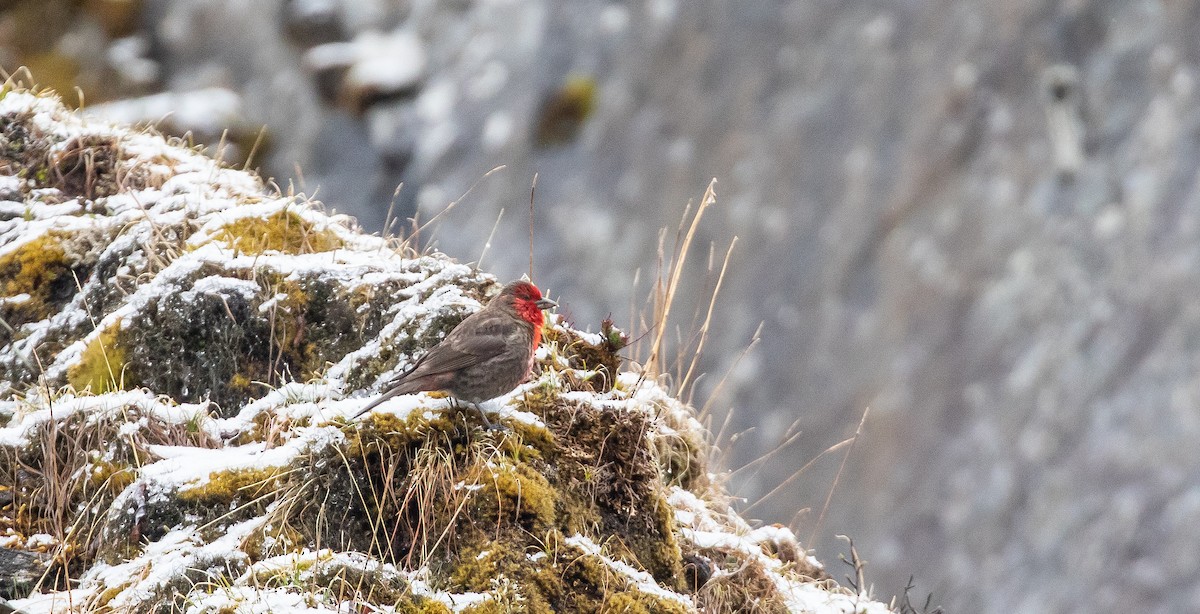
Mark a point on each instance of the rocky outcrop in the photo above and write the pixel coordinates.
(183, 348)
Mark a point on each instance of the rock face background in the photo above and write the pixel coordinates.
(979, 219)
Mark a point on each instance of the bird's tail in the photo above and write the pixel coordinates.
(401, 384)
(373, 404)
(400, 389)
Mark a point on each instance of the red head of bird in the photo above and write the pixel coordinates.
(526, 301)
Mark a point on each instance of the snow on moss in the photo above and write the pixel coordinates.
(227, 333)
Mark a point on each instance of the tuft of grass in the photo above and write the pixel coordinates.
(748, 589)
(664, 290)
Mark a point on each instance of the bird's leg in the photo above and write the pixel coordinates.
(487, 424)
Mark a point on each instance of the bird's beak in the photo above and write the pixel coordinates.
(546, 303)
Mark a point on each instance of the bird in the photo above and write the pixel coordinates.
(488, 354)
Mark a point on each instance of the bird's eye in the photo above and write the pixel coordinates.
(527, 293)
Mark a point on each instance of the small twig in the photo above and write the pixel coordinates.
(532, 189)
(488, 243)
(838, 477)
(254, 148)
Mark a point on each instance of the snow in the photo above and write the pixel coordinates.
(166, 560)
(255, 600)
(10, 183)
(106, 406)
(190, 467)
(809, 597)
(246, 593)
(62, 602)
(385, 62)
(208, 110)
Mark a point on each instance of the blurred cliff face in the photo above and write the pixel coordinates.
(975, 218)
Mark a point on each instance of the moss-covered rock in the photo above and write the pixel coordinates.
(175, 420)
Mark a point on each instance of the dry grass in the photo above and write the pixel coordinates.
(64, 481)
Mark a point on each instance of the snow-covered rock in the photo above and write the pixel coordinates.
(184, 347)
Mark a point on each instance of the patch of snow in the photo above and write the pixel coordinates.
(384, 62)
(10, 183)
(208, 111)
(32, 414)
(40, 540)
(189, 467)
(811, 597)
(261, 600)
(60, 602)
(167, 560)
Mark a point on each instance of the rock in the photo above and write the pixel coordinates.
(20, 572)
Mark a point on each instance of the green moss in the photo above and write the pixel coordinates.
(522, 494)
(284, 231)
(472, 505)
(610, 484)
(637, 602)
(102, 365)
(484, 563)
(491, 606)
(239, 384)
(423, 606)
(560, 580)
(113, 476)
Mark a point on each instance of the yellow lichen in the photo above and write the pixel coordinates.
(227, 486)
(102, 367)
(284, 231)
(113, 476)
(34, 270)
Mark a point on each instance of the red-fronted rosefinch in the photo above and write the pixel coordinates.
(485, 356)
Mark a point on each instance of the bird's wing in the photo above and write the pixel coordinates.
(463, 347)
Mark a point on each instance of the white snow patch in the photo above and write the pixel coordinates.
(166, 560)
(104, 406)
(383, 62)
(62, 602)
(190, 467)
(208, 110)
